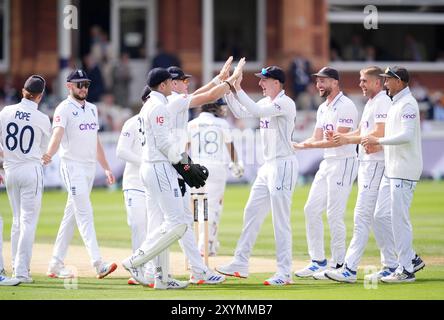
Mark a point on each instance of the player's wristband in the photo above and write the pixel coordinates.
(230, 85)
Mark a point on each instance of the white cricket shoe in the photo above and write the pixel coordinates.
(279, 280)
(311, 269)
(25, 279)
(59, 271)
(233, 270)
(105, 269)
(208, 277)
(6, 281)
(341, 275)
(399, 277)
(137, 273)
(384, 272)
(170, 284)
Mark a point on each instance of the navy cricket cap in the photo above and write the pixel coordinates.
(327, 72)
(156, 76)
(396, 72)
(272, 72)
(35, 84)
(177, 73)
(77, 75)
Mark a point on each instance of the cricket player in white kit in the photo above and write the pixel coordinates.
(276, 178)
(403, 163)
(75, 127)
(24, 135)
(129, 149)
(333, 181)
(370, 173)
(210, 139)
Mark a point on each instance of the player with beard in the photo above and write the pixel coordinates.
(75, 127)
(333, 181)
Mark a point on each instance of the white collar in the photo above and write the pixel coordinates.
(29, 103)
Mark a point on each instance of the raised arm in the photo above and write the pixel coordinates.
(54, 144)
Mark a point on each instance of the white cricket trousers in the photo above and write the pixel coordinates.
(272, 189)
(215, 189)
(24, 186)
(2, 266)
(372, 211)
(401, 194)
(137, 216)
(164, 202)
(329, 192)
(164, 171)
(78, 180)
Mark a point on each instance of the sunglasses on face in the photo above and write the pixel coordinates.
(80, 85)
(392, 73)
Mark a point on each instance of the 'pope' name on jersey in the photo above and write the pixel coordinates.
(23, 115)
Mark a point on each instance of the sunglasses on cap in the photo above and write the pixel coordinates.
(83, 84)
(265, 73)
(392, 73)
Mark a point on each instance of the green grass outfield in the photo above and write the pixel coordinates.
(112, 231)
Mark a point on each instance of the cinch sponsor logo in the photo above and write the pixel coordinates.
(349, 121)
(409, 116)
(264, 124)
(329, 127)
(87, 126)
(126, 134)
(381, 116)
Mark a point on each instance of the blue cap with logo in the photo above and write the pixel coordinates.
(77, 75)
(272, 72)
(177, 73)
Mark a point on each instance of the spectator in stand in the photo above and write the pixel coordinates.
(121, 76)
(355, 50)
(414, 50)
(164, 59)
(95, 74)
(111, 116)
(300, 71)
(8, 94)
(438, 107)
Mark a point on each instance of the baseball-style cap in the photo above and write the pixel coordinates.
(156, 76)
(77, 75)
(327, 72)
(35, 84)
(396, 72)
(272, 72)
(177, 73)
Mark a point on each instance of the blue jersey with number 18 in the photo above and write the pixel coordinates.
(24, 134)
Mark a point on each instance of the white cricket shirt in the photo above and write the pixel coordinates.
(277, 118)
(178, 107)
(81, 124)
(209, 135)
(375, 111)
(129, 149)
(403, 161)
(24, 134)
(158, 144)
(341, 112)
